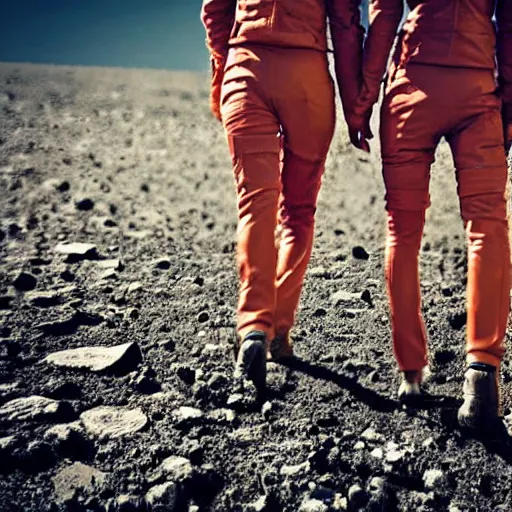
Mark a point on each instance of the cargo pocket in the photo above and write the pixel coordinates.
(255, 162)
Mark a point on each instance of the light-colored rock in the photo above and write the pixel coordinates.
(370, 435)
(163, 497)
(433, 479)
(78, 248)
(29, 408)
(99, 359)
(76, 476)
(112, 422)
(178, 468)
(313, 506)
(295, 469)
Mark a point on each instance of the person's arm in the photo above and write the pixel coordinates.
(504, 57)
(384, 19)
(218, 17)
(347, 36)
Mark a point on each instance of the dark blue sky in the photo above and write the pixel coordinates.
(127, 33)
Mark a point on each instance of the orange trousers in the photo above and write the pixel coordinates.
(278, 111)
(422, 104)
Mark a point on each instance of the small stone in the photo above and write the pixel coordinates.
(342, 296)
(360, 445)
(433, 479)
(110, 273)
(119, 359)
(186, 416)
(177, 468)
(164, 498)
(74, 477)
(64, 186)
(34, 408)
(217, 381)
(112, 422)
(25, 282)
(359, 253)
(267, 409)
(223, 415)
(134, 287)
(377, 453)
(77, 251)
(312, 505)
(111, 264)
(295, 470)
(260, 505)
(84, 204)
(129, 503)
(370, 435)
(357, 497)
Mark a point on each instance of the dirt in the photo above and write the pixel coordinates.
(131, 162)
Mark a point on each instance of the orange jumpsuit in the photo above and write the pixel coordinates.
(272, 89)
(442, 81)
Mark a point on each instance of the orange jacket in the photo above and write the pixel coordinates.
(291, 24)
(459, 33)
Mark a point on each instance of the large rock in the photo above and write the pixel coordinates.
(120, 359)
(74, 477)
(164, 498)
(177, 468)
(111, 422)
(34, 408)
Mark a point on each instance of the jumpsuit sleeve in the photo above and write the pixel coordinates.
(218, 17)
(347, 36)
(384, 19)
(504, 55)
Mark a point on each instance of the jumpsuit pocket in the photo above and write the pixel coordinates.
(255, 161)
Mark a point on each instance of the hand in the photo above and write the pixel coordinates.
(360, 132)
(216, 87)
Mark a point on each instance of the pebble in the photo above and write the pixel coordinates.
(433, 479)
(187, 416)
(295, 470)
(129, 503)
(177, 468)
(371, 435)
(77, 251)
(164, 498)
(313, 505)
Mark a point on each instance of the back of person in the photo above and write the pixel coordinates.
(458, 33)
(288, 23)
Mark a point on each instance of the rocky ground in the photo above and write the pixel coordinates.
(117, 294)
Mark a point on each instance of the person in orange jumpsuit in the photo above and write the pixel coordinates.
(443, 82)
(272, 89)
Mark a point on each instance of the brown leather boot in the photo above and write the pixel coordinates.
(480, 410)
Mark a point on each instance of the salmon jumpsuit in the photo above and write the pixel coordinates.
(442, 81)
(274, 93)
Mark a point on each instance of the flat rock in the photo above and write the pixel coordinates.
(297, 469)
(113, 422)
(33, 408)
(44, 299)
(77, 251)
(343, 296)
(69, 323)
(119, 359)
(74, 477)
(187, 415)
(111, 264)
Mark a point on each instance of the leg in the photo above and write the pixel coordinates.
(308, 118)
(409, 138)
(482, 180)
(481, 170)
(252, 130)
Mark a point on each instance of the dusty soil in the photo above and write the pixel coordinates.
(132, 163)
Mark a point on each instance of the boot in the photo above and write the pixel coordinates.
(251, 359)
(409, 392)
(480, 410)
(280, 348)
